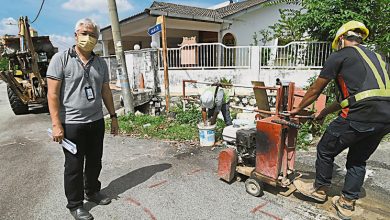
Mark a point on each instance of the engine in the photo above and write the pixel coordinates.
(246, 146)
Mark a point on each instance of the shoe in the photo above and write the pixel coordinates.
(308, 190)
(81, 214)
(344, 207)
(98, 198)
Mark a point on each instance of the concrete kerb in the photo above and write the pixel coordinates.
(119, 112)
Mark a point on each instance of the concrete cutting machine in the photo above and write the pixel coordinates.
(265, 154)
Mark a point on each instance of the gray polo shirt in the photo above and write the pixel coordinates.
(67, 67)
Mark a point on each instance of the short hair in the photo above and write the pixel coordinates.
(356, 39)
(87, 22)
(354, 35)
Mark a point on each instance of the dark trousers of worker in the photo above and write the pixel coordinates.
(362, 139)
(80, 179)
(225, 113)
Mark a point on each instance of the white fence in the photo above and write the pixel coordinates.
(295, 55)
(207, 56)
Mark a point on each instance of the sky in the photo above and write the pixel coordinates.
(58, 17)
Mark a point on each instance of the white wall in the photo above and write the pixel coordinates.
(238, 76)
(300, 77)
(176, 77)
(245, 25)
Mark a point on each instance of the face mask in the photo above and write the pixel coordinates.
(86, 43)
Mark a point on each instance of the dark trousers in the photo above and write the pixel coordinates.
(362, 139)
(225, 113)
(77, 179)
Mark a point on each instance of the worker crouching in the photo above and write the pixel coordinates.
(213, 100)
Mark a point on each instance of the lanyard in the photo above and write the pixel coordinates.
(86, 67)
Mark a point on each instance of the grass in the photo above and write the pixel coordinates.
(183, 127)
(313, 128)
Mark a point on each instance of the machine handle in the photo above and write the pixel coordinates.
(287, 123)
(286, 114)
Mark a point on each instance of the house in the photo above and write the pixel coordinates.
(208, 44)
(230, 23)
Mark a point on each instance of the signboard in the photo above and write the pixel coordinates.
(159, 19)
(155, 29)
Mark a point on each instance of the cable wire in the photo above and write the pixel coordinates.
(39, 12)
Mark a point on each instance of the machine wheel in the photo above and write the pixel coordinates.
(241, 177)
(18, 107)
(254, 187)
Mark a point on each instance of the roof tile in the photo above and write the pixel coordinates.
(204, 12)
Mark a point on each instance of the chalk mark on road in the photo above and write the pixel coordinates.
(146, 210)
(157, 184)
(194, 171)
(258, 209)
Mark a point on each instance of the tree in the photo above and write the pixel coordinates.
(265, 34)
(288, 29)
(322, 18)
(3, 63)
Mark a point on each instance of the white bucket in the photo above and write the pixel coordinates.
(206, 135)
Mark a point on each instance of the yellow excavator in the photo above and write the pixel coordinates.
(28, 57)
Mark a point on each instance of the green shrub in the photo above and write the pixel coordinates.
(181, 128)
(3, 64)
(191, 116)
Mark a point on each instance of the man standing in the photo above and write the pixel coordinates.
(215, 99)
(362, 78)
(78, 81)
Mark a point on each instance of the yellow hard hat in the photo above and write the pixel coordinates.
(349, 26)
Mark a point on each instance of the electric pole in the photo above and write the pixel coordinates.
(120, 57)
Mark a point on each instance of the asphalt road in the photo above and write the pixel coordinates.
(151, 179)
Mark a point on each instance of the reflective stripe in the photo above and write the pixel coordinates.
(344, 103)
(372, 66)
(383, 65)
(226, 96)
(367, 94)
(383, 91)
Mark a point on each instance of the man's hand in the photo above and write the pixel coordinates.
(204, 116)
(320, 117)
(114, 126)
(335, 106)
(58, 133)
(295, 111)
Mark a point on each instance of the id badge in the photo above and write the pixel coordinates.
(89, 93)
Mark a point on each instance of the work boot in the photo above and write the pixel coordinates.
(344, 207)
(81, 214)
(308, 189)
(98, 198)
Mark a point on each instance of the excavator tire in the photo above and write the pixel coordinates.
(18, 107)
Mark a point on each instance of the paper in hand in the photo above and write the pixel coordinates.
(67, 144)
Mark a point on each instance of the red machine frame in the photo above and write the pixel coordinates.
(276, 136)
